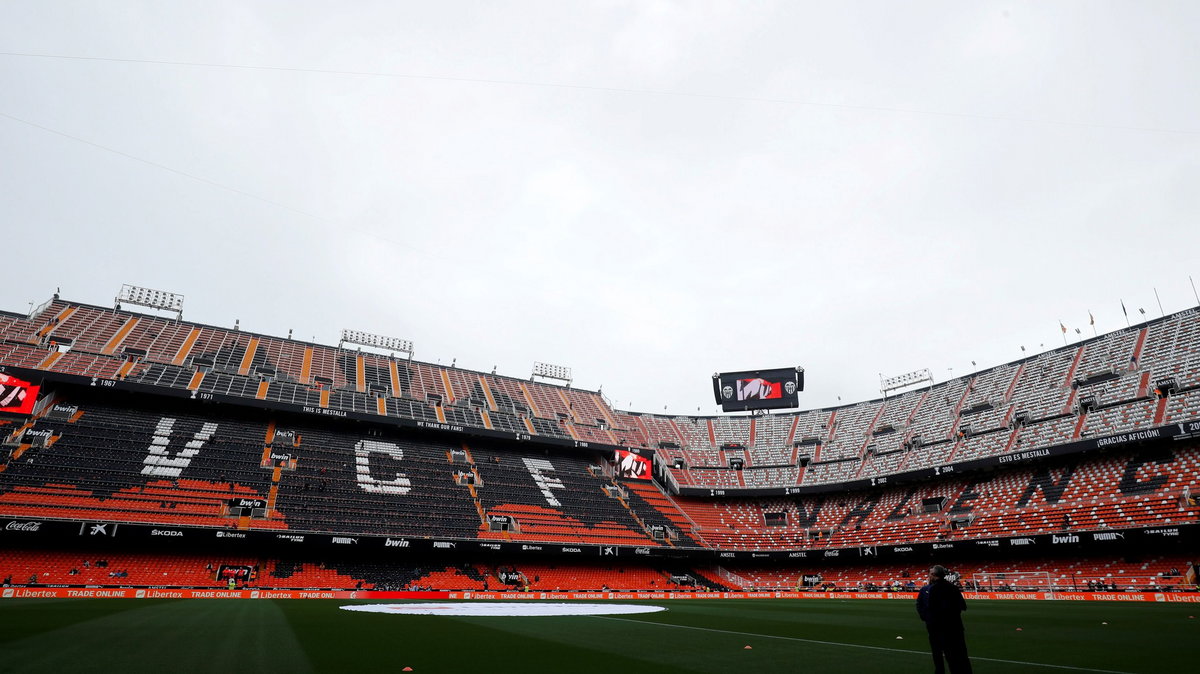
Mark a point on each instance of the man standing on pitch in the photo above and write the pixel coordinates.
(940, 605)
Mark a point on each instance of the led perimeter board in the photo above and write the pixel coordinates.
(758, 389)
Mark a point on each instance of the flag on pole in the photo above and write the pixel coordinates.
(1064, 328)
(1123, 309)
(1091, 318)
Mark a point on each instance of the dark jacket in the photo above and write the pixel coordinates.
(940, 605)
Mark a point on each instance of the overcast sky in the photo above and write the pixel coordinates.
(646, 192)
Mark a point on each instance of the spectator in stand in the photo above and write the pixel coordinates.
(940, 605)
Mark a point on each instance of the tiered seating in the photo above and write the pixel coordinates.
(89, 328)
(509, 396)
(547, 401)
(987, 405)
(577, 577)
(452, 578)
(772, 444)
(570, 504)
(773, 475)
(1114, 420)
(852, 427)
(1111, 354)
(107, 464)
(937, 417)
(324, 368)
(411, 487)
(987, 444)
(1097, 494)
(1171, 350)
(884, 463)
(734, 525)
(812, 424)
(1183, 407)
(116, 568)
(1047, 433)
(22, 355)
(704, 457)
(160, 338)
(305, 374)
(224, 348)
(890, 432)
(124, 569)
(1154, 573)
(102, 466)
(292, 574)
(694, 431)
(990, 387)
(716, 478)
(732, 430)
(1045, 384)
(828, 473)
(927, 455)
(655, 507)
(629, 432)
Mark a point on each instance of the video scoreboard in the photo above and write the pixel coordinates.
(758, 389)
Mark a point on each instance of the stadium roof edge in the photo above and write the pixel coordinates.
(285, 339)
(1082, 342)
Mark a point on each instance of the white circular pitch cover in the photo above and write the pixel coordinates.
(503, 609)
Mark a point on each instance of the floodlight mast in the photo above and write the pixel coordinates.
(552, 372)
(393, 344)
(900, 381)
(148, 297)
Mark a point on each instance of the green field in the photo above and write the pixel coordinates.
(221, 635)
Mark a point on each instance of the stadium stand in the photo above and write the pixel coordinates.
(145, 420)
(104, 568)
(1151, 574)
(1114, 492)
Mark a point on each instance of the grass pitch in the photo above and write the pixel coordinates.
(222, 635)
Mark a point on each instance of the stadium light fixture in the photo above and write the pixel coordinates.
(900, 381)
(148, 297)
(394, 344)
(554, 372)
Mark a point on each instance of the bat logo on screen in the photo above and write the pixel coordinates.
(11, 396)
(757, 389)
(727, 392)
(632, 465)
(17, 396)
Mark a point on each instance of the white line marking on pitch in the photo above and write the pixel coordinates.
(874, 648)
